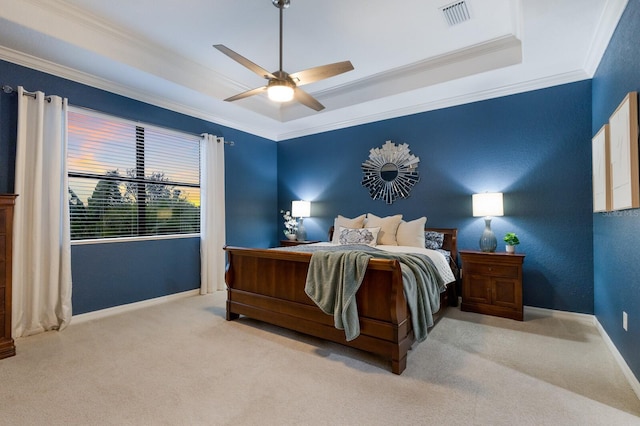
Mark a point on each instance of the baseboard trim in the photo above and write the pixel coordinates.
(592, 320)
(633, 380)
(103, 313)
(585, 318)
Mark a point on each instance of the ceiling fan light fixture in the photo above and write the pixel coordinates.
(280, 91)
(282, 86)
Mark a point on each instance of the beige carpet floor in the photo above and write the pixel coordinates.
(181, 363)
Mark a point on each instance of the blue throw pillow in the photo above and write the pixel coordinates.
(433, 240)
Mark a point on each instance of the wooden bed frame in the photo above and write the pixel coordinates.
(268, 285)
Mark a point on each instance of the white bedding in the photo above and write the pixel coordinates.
(438, 259)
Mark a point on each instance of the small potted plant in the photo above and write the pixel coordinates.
(290, 225)
(511, 240)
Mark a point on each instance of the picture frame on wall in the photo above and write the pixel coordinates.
(601, 171)
(623, 144)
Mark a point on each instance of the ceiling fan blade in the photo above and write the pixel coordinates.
(321, 72)
(307, 100)
(247, 94)
(244, 61)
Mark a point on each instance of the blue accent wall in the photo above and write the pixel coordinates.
(251, 190)
(132, 271)
(106, 275)
(535, 147)
(616, 243)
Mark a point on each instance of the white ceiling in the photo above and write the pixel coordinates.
(406, 58)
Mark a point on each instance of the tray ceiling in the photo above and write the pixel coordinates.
(407, 56)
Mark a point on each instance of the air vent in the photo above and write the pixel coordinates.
(455, 13)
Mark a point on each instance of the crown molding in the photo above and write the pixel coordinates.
(492, 54)
(541, 83)
(607, 24)
(418, 69)
(73, 25)
(38, 64)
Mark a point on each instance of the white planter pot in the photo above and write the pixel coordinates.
(291, 236)
(511, 249)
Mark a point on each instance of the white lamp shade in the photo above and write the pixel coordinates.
(488, 204)
(301, 209)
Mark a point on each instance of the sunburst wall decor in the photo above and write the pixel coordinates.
(390, 172)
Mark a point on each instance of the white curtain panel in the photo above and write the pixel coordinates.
(41, 233)
(212, 216)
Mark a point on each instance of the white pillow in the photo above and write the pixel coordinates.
(388, 227)
(367, 236)
(356, 222)
(411, 233)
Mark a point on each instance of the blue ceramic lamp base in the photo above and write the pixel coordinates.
(488, 241)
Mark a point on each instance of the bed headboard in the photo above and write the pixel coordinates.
(450, 242)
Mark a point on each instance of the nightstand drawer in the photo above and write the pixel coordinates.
(492, 270)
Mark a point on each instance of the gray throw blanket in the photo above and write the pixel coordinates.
(422, 287)
(335, 276)
(333, 279)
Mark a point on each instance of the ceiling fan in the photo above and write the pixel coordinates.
(282, 86)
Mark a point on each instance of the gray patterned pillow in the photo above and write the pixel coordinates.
(433, 240)
(367, 236)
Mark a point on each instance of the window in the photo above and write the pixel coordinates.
(127, 179)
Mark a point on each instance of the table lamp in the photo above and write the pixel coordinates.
(488, 204)
(301, 209)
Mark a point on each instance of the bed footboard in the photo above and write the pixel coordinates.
(268, 285)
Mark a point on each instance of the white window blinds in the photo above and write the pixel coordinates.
(130, 179)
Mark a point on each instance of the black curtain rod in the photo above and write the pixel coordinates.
(9, 89)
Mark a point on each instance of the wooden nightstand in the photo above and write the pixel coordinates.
(289, 243)
(492, 283)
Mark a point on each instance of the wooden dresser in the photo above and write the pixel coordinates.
(7, 346)
(492, 283)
